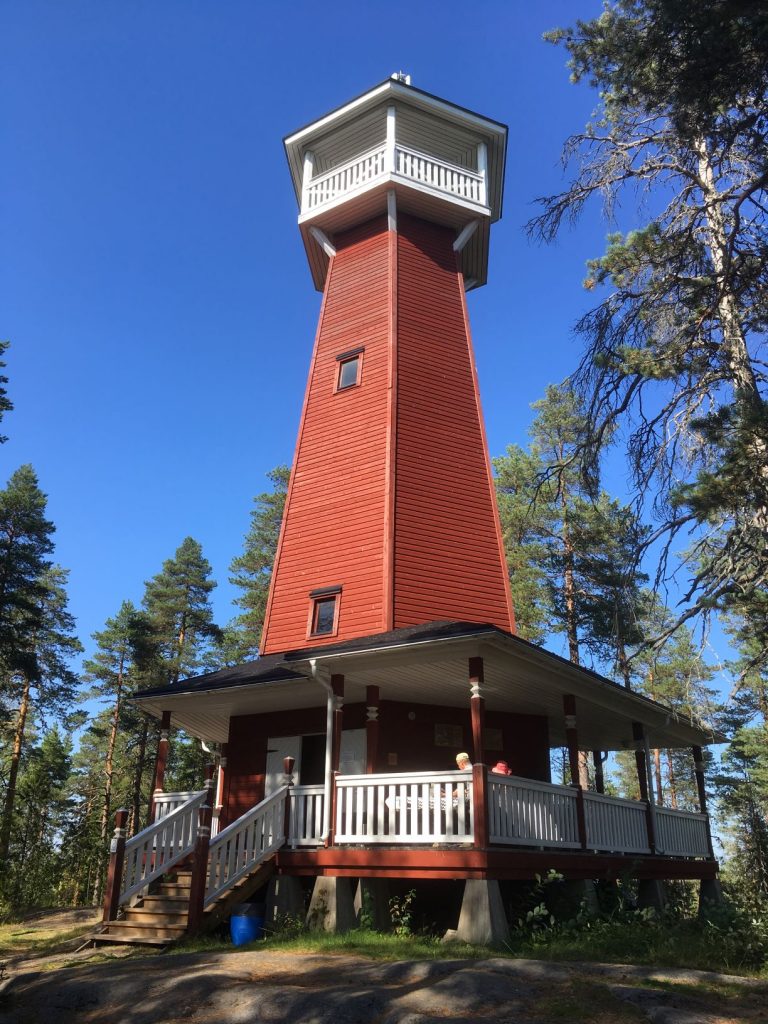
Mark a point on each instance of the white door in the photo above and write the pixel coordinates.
(353, 751)
(278, 748)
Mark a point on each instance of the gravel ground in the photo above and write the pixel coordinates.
(260, 986)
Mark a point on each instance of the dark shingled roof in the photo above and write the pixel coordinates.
(278, 668)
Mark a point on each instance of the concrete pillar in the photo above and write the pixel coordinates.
(332, 907)
(372, 904)
(285, 899)
(482, 920)
(650, 893)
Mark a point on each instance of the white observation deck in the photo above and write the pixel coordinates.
(441, 162)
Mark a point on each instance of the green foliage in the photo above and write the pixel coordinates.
(5, 403)
(672, 351)
(401, 912)
(177, 601)
(251, 571)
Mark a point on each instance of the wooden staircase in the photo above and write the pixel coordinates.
(160, 917)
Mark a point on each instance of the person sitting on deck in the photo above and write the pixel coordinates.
(501, 768)
(464, 765)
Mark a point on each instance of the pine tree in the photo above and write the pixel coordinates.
(177, 601)
(252, 570)
(672, 350)
(46, 683)
(125, 648)
(5, 403)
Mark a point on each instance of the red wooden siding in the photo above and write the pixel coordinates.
(448, 560)
(335, 512)
(391, 495)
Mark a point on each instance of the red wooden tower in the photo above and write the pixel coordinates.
(390, 518)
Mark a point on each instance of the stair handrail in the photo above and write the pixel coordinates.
(244, 844)
(151, 852)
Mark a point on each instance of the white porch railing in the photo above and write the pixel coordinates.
(364, 170)
(165, 803)
(529, 813)
(681, 833)
(423, 807)
(158, 847)
(306, 822)
(244, 844)
(614, 824)
(450, 178)
(345, 178)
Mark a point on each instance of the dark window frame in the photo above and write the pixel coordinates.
(354, 355)
(316, 598)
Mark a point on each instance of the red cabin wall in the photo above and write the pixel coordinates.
(525, 744)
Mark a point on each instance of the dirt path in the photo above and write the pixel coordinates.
(260, 986)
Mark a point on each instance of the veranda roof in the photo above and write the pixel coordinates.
(427, 664)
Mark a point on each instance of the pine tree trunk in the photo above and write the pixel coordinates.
(138, 776)
(623, 661)
(13, 773)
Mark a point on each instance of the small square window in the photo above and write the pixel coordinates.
(324, 611)
(350, 368)
(349, 373)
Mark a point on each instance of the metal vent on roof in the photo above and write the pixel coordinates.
(400, 76)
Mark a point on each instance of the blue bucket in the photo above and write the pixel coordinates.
(246, 924)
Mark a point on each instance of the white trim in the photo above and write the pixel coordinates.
(391, 135)
(309, 166)
(465, 234)
(323, 241)
(391, 210)
(482, 170)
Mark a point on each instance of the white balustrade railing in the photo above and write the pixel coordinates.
(614, 824)
(422, 807)
(306, 821)
(158, 847)
(165, 803)
(450, 178)
(525, 812)
(345, 178)
(681, 833)
(244, 844)
(364, 170)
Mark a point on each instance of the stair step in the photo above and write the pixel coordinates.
(104, 937)
(171, 889)
(165, 904)
(130, 930)
(151, 917)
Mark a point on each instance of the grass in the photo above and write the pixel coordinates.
(19, 939)
(360, 942)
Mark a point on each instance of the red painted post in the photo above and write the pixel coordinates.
(638, 735)
(372, 729)
(698, 768)
(480, 805)
(288, 763)
(161, 761)
(115, 870)
(200, 859)
(477, 708)
(572, 739)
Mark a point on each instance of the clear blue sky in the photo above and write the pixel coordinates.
(152, 278)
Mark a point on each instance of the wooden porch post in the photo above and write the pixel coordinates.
(698, 767)
(372, 729)
(200, 863)
(477, 708)
(115, 871)
(572, 739)
(641, 761)
(337, 685)
(163, 747)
